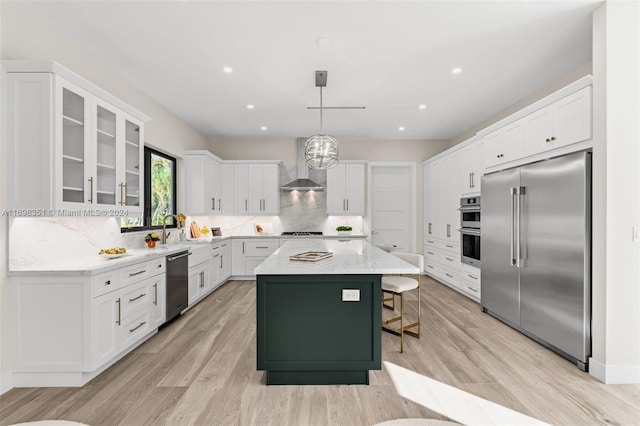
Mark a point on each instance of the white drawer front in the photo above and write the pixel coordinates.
(104, 283)
(449, 246)
(451, 276)
(259, 247)
(450, 260)
(471, 287)
(134, 273)
(158, 266)
(134, 298)
(432, 268)
(133, 328)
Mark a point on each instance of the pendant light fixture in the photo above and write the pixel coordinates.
(321, 151)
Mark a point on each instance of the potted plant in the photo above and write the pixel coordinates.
(151, 239)
(344, 230)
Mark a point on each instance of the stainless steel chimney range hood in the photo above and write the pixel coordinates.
(302, 183)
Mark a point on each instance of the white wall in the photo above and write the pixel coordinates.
(584, 69)
(24, 36)
(616, 192)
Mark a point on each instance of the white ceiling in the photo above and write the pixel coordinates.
(389, 56)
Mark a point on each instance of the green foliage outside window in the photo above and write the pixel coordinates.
(162, 170)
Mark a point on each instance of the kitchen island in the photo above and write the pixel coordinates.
(320, 322)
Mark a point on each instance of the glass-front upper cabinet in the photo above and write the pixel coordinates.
(106, 147)
(131, 185)
(74, 143)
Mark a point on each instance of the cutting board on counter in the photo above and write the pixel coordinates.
(195, 230)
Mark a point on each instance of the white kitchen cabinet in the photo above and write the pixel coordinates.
(249, 253)
(346, 189)
(200, 280)
(564, 122)
(443, 188)
(68, 328)
(72, 146)
(471, 281)
(226, 204)
(203, 184)
(225, 261)
(504, 145)
(257, 188)
(472, 168)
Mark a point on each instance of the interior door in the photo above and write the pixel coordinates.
(500, 279)
(392, 206)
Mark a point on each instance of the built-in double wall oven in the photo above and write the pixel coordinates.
(470, 230)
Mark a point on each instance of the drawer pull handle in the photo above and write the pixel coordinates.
(449, 259)
(137, 273)
(449, 246)
(262, 247)
(138, 297)
(449, 275)
(429, 266)
(430, 252)
(471, 276)
(430, 242)
(216, 255)
(137, 327)
(472, 289)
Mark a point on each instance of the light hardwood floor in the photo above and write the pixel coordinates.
(202, 370)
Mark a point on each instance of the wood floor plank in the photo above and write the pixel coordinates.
(201, 370)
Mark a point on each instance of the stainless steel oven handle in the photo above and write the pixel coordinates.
(471, 231)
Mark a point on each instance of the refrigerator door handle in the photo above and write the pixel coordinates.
(512, 219)
(519, 260)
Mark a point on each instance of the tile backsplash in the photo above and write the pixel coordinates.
(34, 241)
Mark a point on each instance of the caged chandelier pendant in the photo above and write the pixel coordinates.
(321, 151)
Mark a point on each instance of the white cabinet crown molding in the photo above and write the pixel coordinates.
(10, 66)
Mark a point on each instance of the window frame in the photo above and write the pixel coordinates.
(146, 209)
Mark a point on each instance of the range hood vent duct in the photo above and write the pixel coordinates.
(303, 183)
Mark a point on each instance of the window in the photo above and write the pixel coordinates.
(159, 193)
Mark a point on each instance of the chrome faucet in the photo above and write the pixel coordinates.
(164, 226)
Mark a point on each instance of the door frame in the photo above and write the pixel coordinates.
(413, 210)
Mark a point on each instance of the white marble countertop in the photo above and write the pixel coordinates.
(95, 264)
(349, 257)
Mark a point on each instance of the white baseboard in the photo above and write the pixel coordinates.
(6, 382)
(614, 374)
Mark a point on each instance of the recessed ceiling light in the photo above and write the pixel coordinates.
(250, 106)
(227, 70)
(401, 129)
(456, 70)
(422, 106)
(263, 128)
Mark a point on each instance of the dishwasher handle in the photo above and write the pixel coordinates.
(178, 256)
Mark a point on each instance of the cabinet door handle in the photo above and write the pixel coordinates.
(138, 297)
(220, 262)
(155, 291)
(119, 313)
(470, 181)
(246, 203)
(472, 289)
(137, 273)
(243, 247)
(121, 185)
(131, 330)
(430, 229)
(202, 279)
(473, 184)
(124, 201)
(448, 230)
(472, 277)
(347, 204)
(213, 203)
(343, 205)
(107, 282)
(90, 190)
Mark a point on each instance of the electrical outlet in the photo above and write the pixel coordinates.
(350, 295)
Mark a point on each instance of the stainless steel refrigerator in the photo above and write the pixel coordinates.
(536, 252)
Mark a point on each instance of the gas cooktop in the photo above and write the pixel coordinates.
(302, 233)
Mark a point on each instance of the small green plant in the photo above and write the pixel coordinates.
(343, 228)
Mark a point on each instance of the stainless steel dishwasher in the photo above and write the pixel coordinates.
(177, 283)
